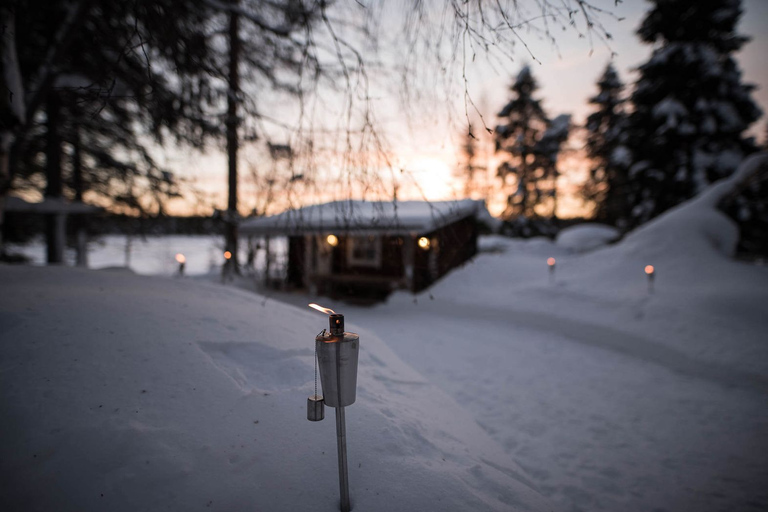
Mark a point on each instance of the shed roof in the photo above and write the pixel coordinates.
(364, 217)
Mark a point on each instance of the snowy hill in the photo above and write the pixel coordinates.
(128, 393)
(611, 397)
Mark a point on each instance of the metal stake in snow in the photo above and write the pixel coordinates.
(337, 354)
(651, 273)
(182, 261)
(551, 262)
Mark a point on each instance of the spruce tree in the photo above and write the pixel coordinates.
(524, 123)
(690, 106)
(605, 146)
(547, 151)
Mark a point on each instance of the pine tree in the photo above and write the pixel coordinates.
(547, 151)
(765, 138)
(470, 172)
(690, 106)
(524, 123)
(605, 146)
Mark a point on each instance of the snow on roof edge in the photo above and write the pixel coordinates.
(390, 217)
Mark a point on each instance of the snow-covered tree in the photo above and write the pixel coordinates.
(532, 142)
(605, 146)
(470, 172)
(690, 105)
(547, 151)
(524, 122)
(765, 137)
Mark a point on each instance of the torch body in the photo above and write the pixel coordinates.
(337, 355)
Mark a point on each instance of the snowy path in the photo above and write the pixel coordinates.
(602, 420)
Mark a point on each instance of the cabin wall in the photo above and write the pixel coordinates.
(296, 262)
(326, 270)
(450, 246)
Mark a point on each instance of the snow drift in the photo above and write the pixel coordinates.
(127, 393)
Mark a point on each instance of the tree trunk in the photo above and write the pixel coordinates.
(232, 140)
(79, 186)
(54, 222)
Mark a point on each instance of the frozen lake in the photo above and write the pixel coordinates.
(155, 255)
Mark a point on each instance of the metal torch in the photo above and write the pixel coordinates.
(337, 355)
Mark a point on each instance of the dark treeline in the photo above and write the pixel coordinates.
(22, 227)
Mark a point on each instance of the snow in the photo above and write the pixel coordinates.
(611, 396)
(393, 217)
(121, 392)
(671, 110)
(621, 156)
(155, 255)
(586, 237)
(606, 393)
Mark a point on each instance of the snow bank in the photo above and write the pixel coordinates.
(586, 237)
(120, 392)
(698, 289)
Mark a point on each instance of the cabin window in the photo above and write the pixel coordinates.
(364, 251)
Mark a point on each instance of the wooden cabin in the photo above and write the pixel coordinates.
(365, 250)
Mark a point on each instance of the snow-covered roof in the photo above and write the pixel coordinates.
(388, 217)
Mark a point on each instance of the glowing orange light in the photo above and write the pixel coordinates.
(227, 255)
(551, 262)
(332, 240)
(327, 311)
(424, 243)
(649, 269)
(180, 258)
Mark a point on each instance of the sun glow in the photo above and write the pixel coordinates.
(433, 177)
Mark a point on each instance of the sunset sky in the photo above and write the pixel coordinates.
(423, 135)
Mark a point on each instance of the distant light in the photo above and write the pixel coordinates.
(551, 262)
(424, 243)
(180, 258)
(649, 269)
(332, 240)
(227, 255)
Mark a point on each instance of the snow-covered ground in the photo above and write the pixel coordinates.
(607, 394)
(127, 393)
(610, 397)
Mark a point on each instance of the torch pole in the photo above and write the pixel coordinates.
(341, 438)
(341, 441)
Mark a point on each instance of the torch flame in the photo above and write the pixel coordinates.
(550, 261)
(180, 258)
(649, 269)
(327, 311)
